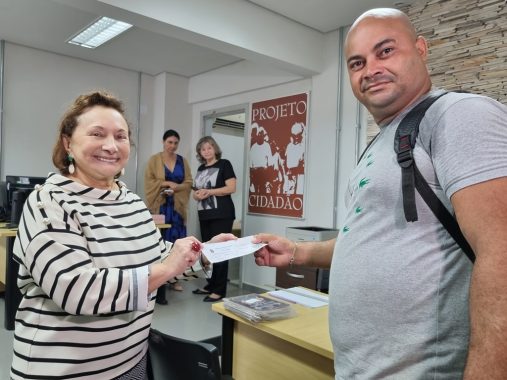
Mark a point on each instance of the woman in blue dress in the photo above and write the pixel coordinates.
(167, 185)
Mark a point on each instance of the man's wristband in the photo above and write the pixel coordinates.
(291, 263)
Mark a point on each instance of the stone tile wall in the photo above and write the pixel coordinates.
(467, 44)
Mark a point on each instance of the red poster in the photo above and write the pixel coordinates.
(278, 136)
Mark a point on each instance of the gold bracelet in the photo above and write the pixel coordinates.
(291, 263)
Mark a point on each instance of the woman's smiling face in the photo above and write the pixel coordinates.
(208, 152)
(100, 146)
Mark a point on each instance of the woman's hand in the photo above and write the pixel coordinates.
(172, 185)
(184, 254)
(202, 194)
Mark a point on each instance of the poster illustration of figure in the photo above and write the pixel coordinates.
(207, 179)
(278, 137)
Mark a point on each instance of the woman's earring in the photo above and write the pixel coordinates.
(122, 171)
(71, 168)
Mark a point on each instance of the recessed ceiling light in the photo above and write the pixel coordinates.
(99, 32)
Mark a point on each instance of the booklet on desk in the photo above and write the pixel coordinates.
(301, 296)
(257, 308)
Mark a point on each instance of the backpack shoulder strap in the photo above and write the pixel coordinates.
(411, 178)
(367, 146)
(404, 143)
(442, 213)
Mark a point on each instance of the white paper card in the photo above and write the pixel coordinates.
(217, 252)
(301, 296)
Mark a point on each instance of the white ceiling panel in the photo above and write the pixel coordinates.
(153, 46)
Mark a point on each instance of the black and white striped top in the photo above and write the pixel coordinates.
(84, 255)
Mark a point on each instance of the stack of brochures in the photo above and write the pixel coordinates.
(256, 308)
(302, 296)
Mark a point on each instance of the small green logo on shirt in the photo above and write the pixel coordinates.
(363, 182)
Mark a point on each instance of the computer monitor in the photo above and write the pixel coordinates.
(13, 184)
(3, 201)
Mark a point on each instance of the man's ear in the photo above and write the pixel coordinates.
(422, 47)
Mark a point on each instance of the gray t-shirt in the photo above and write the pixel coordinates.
(398, 290)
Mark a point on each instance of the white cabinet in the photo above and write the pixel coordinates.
(310, 233)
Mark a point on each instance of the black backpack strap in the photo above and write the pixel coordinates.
(404, 142)
(413, 179)
(442, 214)
(367, 146)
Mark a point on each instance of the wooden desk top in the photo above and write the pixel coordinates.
(7, 232)
(308, 329)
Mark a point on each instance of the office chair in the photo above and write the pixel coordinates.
(174, 358)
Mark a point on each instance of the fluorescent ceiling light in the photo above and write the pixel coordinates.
(99, 32)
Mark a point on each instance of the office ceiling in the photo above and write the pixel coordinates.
(154, 46)
(324, 15)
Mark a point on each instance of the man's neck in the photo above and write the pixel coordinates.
(388, 119)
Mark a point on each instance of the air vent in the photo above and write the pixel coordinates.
(228, 124)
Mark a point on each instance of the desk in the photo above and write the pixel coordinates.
(5, 234)
(292, 349)
(9, 273)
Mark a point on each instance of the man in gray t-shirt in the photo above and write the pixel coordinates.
(405, 302)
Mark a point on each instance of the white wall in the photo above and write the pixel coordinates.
(251, 223)
(245, 84)
(145, 141)
(164, 106)
(179, 114)
(235, 79)
(232, 143)
(38, 87)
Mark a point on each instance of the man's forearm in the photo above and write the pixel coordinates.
(314, 254)
(487, 356)
(481, 211)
